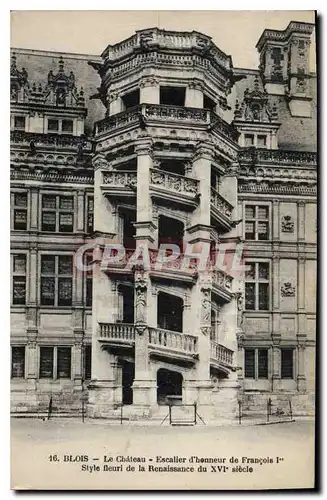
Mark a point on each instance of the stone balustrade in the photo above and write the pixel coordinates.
(276, 156)
(65, 141)
(117, 331)
(174, 182)
(119, 178)
(219, 202)
(221, 354)
(163, 113)
(175, 341)
(222, 279)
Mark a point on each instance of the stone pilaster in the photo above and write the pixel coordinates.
(194, 94)
(34, 209)
(144, 388)
(77, 364)
(301, 379)
(144, 225)
(149, 90)
(301, 220)
(80, 216)
(115, 103)
(201, 170)
(275, 220)
(276, 361)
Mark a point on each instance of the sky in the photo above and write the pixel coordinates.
(89, 32)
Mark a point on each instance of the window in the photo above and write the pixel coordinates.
(18, 362)
(89, 214)
(248, 140)
(209, 103)
(56, 280)
(214, 180)
(20, 211)
(87, 362)
(287, 363)
(88, 281)
(174, 96)
(67, 126)
(257, 286)
(57, 213)
(261, 141)
(132, 99)
(55, 362)
(53, 125)
(256, 363)
(19, 279)
(19, 122)
(256, 222)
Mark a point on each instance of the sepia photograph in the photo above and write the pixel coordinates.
(163, 248)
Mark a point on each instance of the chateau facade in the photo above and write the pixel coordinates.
(161, 141)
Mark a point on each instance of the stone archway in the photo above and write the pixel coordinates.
(169, 383)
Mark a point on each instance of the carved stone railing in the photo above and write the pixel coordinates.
(289, 188)
(52, 140)
(51, 177)
(174, 341)
(277, 156)
(127, 117)
(119, 179)
(174, 182)
(166, 113)
(180, 263)
(117, 331)
(222, 279)
(219, 202)
(221, 354)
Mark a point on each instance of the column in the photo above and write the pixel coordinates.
(301, 296)
(301, 379)
(104, 221)
(276, 294)
(149, 91)
(78, 359)
(228, 189)
(34, 208)
(275, 220)
(144, 388)
(194, 94)
(240, 355)
(32, 320)
(301, 220)
(80, 218)
(202, 171)
(144, 224)
(276, 360)
(115, 103)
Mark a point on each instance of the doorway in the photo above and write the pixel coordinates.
(169, 383)
(128, 374)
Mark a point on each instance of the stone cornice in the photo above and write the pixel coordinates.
(284, 188)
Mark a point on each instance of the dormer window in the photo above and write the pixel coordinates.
(19, 122)
(53, 125)
(67, 126)
(60, 126)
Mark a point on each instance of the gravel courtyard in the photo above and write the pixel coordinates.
(70, 454)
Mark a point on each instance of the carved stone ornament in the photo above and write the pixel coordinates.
(287, 290)
(206, 330)
(149, 81)
(100, 162)
(287, 224)
(206, 306)
(141, 298)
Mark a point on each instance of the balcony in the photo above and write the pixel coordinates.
(119, 183)
(221, 355)
(117, 333)
(277, 157)
(165, 115)
(174, 188)
(166, 343)
(51, 141)
(221, 210)
(222, 284)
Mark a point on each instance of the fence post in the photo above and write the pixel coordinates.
(291, 412)
(169, 414)
(195, 412)
(121, 414)
(268, 409)
(239, 412)
(50, 408)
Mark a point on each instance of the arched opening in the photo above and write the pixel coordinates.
(173, 166)
(126, 304)
(128, 374)
(169, 386)
(170, 231)
(170, 312)
(129, 217)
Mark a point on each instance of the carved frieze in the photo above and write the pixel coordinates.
(287, 224)
(287, 290)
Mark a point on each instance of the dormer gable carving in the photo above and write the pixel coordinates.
(18, 80)
(255, 106)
